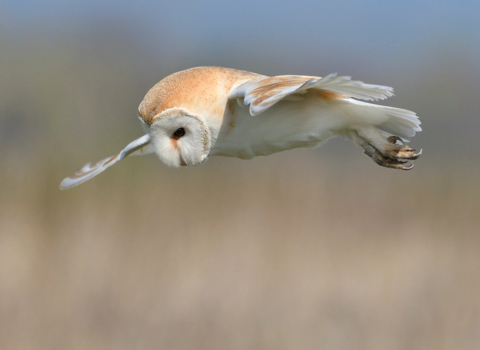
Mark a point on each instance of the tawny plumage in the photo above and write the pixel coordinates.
(211, 111)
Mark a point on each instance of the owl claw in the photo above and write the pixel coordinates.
(395, 157)
(417, 155)
(408, 167)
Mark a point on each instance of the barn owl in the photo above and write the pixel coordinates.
(210, 111)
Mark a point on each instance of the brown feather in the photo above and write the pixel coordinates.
(201, 90)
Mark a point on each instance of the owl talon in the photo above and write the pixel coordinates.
(401, 152)
(417, 155)
(394, 159)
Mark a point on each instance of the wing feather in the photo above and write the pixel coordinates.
(140, 146)
(264, 92)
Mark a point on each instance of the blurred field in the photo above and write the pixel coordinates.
(308, 249)
(276, 253)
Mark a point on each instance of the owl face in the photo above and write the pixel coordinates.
(180, 138)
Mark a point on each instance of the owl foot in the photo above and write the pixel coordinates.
(395, 155)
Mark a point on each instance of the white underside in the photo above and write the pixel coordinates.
(309, 123)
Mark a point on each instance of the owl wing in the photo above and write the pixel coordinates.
(140, 146)
(263, 93)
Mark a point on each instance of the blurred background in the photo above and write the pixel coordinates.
(306, 249)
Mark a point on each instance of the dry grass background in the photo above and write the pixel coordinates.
(287, 252)
(308, 249)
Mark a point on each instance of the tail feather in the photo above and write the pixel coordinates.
(400, 122)
(391, 120)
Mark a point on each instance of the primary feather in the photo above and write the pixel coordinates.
(138, 147)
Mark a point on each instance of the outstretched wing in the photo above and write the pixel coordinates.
(140, 146)
(263, 93)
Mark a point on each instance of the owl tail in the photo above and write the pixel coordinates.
(390, 120)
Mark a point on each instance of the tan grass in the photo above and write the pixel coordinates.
(285, 252)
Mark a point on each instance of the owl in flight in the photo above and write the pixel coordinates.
(210, 111)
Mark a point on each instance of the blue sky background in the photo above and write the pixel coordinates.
(367, 30)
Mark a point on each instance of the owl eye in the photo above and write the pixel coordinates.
(179, 133)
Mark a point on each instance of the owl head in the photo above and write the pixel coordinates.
(179, 138)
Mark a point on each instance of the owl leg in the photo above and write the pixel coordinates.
(389, 152)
